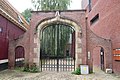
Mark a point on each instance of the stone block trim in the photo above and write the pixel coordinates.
(39, 22)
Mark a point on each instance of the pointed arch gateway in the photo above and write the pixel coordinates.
(54, 53)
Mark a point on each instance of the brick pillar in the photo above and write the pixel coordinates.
(11, 55)
(78, 50)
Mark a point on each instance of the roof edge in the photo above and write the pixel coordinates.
(12, 20)
(59, 10)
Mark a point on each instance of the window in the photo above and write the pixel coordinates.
(94, 19)
(20, 19)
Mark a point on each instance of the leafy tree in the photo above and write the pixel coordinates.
(55, 37)
(51, 4)
(27, 14)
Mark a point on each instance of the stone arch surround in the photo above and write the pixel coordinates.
(75, 26)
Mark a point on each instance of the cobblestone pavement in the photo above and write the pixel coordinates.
(18, 75)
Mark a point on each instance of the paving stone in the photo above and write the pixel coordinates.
(18, 75)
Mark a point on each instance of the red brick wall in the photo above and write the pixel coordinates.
(116, 66)
(96, 57)
(108, 25)
(9, 32)
(24, 41)
(109, 17)
(94, 41)
(94, 2)
(85, 3)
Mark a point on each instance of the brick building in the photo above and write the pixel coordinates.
(95, 44)
(12, 27)
(87, 44)
(103, 20)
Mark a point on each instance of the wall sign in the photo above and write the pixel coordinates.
(116, 54)
(88, 54)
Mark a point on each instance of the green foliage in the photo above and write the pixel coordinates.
(19, 68)
(26, 67)
(51, 4)
(77, 71)
(27, 14)
(33, 68)
(91, 71)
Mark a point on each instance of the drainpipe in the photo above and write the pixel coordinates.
(86, 18)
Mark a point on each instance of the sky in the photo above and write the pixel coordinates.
(21, 5)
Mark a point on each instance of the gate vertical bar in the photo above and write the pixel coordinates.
(41, 50)
(62, 46)
(74, 48)
(54, 45)
(57, 48)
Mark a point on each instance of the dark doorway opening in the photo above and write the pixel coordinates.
(102, 58)
(19, 56)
